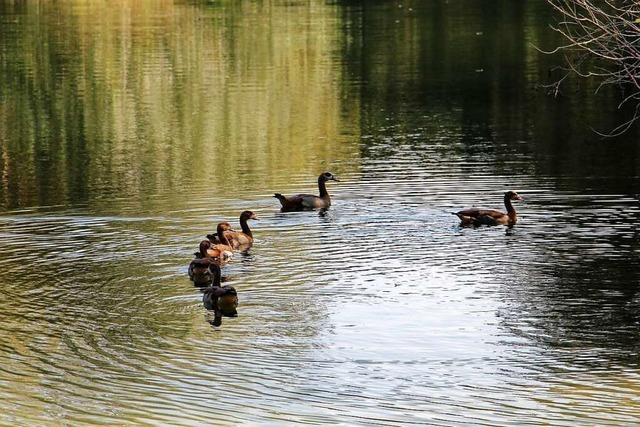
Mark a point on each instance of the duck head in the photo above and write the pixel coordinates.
(328, 176)
(512, 195)
(205, 245)
(223, 226)
(248, 215)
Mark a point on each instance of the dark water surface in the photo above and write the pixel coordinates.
(128, 129)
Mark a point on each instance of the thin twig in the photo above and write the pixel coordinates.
(603, 41)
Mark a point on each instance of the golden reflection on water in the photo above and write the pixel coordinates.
(152, 97)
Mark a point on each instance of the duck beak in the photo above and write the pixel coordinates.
(519, 197)
(335, 179)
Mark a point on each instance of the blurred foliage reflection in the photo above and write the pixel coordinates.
(146, 97)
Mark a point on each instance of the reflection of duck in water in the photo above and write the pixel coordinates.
(223, 300)
(475, 216)
(301, 202)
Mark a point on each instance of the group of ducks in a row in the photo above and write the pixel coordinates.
(213, 253)
(218, 248)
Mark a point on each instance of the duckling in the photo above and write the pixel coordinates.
(301, 202)
(242, 239)
(223, 300)
(475, 216)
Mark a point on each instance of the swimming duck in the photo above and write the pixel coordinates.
(242, 239)
(213, 237)
(222, 250)
(199, 268)
(301, 202)
(223, 300)
(199, 271)
(475, 216)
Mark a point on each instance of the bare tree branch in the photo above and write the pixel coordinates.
(603, 40)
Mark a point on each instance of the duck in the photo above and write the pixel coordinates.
(199, 267)
(222, 300)
(477, 217)
(301, 202)
(223, 249)
(213, 237)
(199, 270)
(242, 239)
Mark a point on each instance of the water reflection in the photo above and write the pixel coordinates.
(466, 71)
(160, 108)
(586, 292)
(127, 133)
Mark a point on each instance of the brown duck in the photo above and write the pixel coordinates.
(208, 253)
(301, 202)
(199, 268)
(237, 239)
(223, 300)
(475, 216)
(199, 271)
(222, 250)
(242, 239)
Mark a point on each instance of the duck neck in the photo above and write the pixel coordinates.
(245, 227)
(203, 249)
(216, 282)
(221, 236)
(509, 206)
(322, 186)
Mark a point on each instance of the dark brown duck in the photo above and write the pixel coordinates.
(301, 202)
(199, 268)
(222, 300)
(476, 216)
(242, 239)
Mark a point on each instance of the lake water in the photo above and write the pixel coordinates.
(129, 129)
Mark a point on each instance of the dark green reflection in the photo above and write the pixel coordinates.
(471, 68)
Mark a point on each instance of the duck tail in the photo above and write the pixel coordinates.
(464, 219)
(280, 197)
